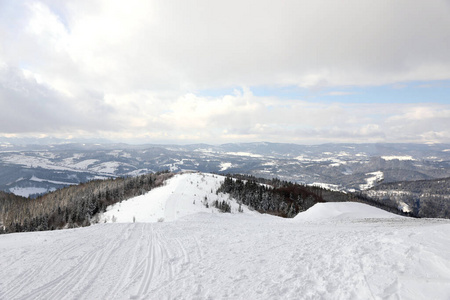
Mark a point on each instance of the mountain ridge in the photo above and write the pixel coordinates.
(344, 165)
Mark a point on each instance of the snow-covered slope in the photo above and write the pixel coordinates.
(332, 251)
(329, 212)
(182, 195)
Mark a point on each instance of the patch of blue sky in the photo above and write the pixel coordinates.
(411, 92)
(60, 11)
(283, 92)
(407, 92)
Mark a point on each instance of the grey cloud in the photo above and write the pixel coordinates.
(30, 107)
(209, 44)
(356, 42)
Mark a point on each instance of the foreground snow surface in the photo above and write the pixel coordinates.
(219, 256)
(332, 251)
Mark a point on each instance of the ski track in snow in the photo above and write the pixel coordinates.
(235, 256)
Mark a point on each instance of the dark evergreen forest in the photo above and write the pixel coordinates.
(72, 206)
(287, 199)
(425, 198)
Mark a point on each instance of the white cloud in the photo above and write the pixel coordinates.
(339, 93)
(244, 117)
(134, 70)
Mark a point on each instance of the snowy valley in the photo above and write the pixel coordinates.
(35, 169)
(167, 244)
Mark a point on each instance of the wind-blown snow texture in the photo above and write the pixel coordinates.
(332, 251)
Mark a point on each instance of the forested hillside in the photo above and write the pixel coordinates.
(287, 199)
(71, 206)
(276, 197)
(424, 198)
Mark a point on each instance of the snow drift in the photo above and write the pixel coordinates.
(342, 210)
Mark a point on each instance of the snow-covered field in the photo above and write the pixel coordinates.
(370, 181)
(27, 191)
(332, 251)
(399, 157)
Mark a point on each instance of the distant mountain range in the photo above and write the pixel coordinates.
(34, 169)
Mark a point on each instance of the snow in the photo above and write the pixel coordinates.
(115, 153)
(32, 162)
(399, 157)
(343, 153)
(374, 178)
(302, 158)
(172, 167)
(209, 150)
(27, 191)
(67, 164)
(270, 163)
(333, 161)
(37, 179)
(342, 210)
(329, 186)
(84, 164)
(404, 207)
(182, 195)
(331, 251)
(244, 154)
(107, 167)
(139, 172)
(225, 166)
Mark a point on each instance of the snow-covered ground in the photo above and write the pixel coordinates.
(27, 191)
(370, 181)
(329, 186)
(37, 179)
(399, 157)
(184, 194)
(332, 251)
(225, 166)
(244, 154)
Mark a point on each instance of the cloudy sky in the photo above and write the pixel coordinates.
(204, 71)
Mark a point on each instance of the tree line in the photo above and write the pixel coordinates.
(72, 206)
(287, 199)
(275, 197)
(425, 198)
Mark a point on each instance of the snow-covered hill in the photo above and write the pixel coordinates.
(184, 194)
(332, 251)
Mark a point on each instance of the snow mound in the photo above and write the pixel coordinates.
(182, 195)
(342, 210)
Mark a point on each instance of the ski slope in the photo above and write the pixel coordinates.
(182, 195)
(332, 251)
